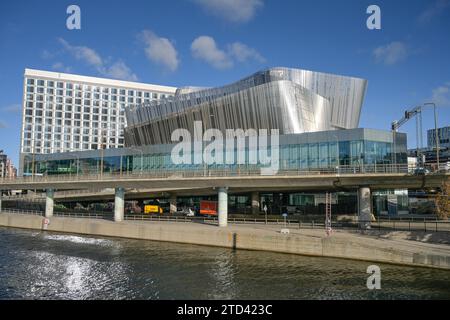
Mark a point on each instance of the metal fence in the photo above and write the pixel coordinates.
(385, 224)
(208, 172)
(412, 224)
(20, 211)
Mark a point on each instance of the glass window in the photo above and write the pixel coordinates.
(356, 152)
(323, 155)
(313, 154)
(344, 153)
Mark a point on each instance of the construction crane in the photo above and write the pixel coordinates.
(415, 112)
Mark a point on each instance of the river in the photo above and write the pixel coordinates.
(41, 265)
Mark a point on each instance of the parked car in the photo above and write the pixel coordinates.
(421, 171)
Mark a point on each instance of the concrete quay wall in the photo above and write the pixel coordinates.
(339, 245)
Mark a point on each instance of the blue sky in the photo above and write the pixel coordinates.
(214, 42)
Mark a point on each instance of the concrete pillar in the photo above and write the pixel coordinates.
(0, 201)
(173, 203)
(276, 203)
(119, 204)
(364, 207)
(255, 203)
(49, 203)
(223, 207)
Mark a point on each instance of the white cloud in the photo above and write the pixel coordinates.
(434, 10)
(391, 53)
(242, 53)
(160, 50)
(117, 70)
(441, 95)
(231, 10)
(13, 108)
(59, 66)
(86, 54)
(47, 54)
(205, 48)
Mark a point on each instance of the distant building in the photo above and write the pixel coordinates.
(7, 169)
(3, 158)
(428, 156)
(443, 135)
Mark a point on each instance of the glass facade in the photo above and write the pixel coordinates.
(365, 147)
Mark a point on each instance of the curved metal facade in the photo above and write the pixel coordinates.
(291, 100)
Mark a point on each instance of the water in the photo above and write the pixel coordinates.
(40, 265)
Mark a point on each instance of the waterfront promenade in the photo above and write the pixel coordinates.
(427, 249)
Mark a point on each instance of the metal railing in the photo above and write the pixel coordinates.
(407, 224)
(106, 216)
(403, 169)
(22, 211)
(381, 225)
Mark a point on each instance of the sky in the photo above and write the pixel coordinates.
(216, 42)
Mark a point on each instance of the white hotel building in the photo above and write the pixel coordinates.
(65, 112)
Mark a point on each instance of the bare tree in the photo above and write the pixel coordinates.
(442, 201)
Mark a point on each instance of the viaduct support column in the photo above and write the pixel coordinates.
(119, 204)
(49, 203)
(223, 207)
(364, 207)
(255, 203)
(173, 203)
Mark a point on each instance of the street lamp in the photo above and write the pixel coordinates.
(435, 131)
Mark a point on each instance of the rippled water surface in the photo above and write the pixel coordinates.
(40, 265)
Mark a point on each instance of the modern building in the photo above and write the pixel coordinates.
(314, 151)
(65, 112)
(290, 100)
(443, 136)
(316, 116)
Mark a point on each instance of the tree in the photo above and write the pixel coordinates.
(442, 201)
